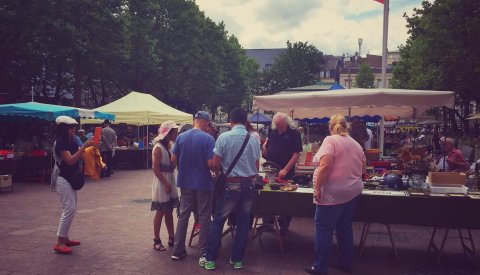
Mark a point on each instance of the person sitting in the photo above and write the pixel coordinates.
(452, 159)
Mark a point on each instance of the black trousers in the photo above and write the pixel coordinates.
(108, 159)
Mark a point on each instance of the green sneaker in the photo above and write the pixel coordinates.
(237, 265)
(210, 265)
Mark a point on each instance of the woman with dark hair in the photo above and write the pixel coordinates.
(67, 154)
(164, 190)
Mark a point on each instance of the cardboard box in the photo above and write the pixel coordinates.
(5, 181)
(372, 155)
(446, 178)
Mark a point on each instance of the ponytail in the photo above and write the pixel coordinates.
(338, 125)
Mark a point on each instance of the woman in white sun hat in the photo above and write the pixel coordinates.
(164, 190)
(67, 178)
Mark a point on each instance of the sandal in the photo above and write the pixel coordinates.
(171, 242)
(157, 245)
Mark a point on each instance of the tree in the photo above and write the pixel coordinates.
(365, 77)
(442, 52)
(298, 66)
(103, 49)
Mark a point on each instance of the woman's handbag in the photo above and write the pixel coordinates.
(75, 178)
(222, 178)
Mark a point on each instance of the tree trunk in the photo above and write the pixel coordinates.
(77, 85)
(466, 122)
(104, 92)
(58, 87)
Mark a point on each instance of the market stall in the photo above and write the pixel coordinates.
(31, 160)
(140, 109)
(357, 102)
(389, 208)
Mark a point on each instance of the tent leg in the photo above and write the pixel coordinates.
(381, 142)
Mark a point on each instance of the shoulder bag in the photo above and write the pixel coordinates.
(222, 178)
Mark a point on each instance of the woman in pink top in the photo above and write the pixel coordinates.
(337, 186)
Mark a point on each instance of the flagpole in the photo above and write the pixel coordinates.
(386, 5)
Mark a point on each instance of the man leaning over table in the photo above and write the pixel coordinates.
(239, 190)
(283, 147)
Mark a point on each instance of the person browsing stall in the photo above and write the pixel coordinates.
(337, 186)
(164, 191)
(107, 147)
(193, 154)
(67, 155)
(238, 192)
(283, 147)
(454, 159)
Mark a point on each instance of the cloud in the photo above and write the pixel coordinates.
(333, 26)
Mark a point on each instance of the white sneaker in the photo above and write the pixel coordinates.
(202, 261)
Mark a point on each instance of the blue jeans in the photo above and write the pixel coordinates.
(327, 219)
(236, 197)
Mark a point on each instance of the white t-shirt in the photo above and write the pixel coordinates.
(368, 143)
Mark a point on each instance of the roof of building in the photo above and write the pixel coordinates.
(264, 56)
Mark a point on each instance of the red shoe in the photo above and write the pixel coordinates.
(196, 227)
(62, 249)
(72, 243)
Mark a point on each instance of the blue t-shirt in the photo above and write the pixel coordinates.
(194, 148)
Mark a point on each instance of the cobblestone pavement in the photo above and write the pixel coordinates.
(114, 223)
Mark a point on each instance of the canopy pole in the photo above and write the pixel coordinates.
(386, 7)
(381, 142)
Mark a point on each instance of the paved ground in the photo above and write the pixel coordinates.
(114, 223)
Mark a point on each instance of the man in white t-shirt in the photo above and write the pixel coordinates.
(368, 143)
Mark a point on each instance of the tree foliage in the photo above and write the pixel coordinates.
(298, 66)
(365, 77)
(442, 51)
(100, 50)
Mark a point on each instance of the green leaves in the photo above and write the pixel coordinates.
(365, 77)
(298, 66)
(99, 50)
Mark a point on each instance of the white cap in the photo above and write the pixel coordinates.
(65, 120)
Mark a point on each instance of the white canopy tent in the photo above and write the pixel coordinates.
(356, 102)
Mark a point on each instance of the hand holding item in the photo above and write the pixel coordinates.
(283, 173)
(87, 144)
(317, 194)
(97, 135)
(168, 187)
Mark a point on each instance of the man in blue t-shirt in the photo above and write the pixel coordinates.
(193, 154)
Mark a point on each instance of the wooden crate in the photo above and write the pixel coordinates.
(446, 178)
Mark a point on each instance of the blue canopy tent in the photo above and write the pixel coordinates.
(48, 112)
(259, 118)
(337, 86)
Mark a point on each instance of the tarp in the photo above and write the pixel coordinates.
(49, 112)
(143, 109)
(259, 118)
(356, 102)
(474, 116)
(337, 86)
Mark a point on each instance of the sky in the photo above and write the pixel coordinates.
(333, 26)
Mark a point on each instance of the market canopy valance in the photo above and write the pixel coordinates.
(49, 112)
(356, 102)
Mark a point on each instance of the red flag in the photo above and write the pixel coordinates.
(380, 1)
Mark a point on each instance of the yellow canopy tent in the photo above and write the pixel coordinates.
(142, 109)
